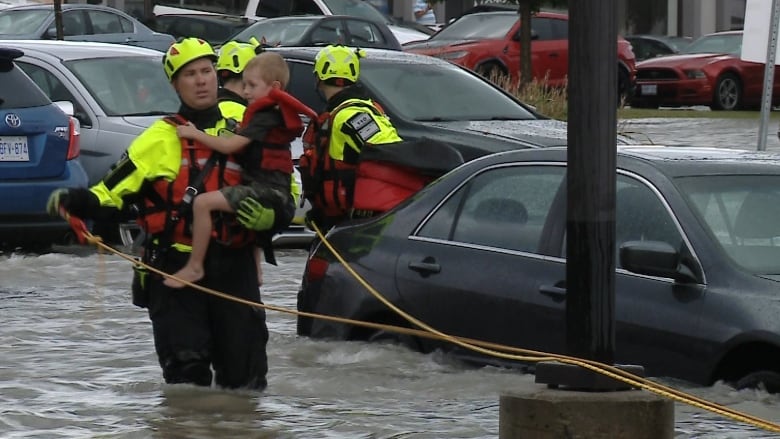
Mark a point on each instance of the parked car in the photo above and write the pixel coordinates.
(273, 8)
(117, 91)
(321, 30)
(489, 43)
(5, 4)
(416, 93)
(481, 254)
(39, 149)
(216, 29)
(709, 71)
(80, 22)
(651, 46)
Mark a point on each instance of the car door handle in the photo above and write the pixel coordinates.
(557, 292)
(426, 266)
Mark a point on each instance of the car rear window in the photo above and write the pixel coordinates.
(23, 21)
(18, 90)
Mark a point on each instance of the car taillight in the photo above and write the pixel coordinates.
(316, 269)
(74, 138)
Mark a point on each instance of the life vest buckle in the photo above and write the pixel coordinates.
(189, 194)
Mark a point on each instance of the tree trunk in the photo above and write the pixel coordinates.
(524, 9)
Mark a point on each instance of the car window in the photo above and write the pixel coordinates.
(305, 7)
(126, 86)
(503, 207)
(355, 8)
(21, 22)
(73, 24)
(640, 215)
(364, 34)
(328, 32)
(105, 22)
(274, 32)
(423, 92)
(741, 213)
(18, 90)
(478, 27)
(560, 28)
(542, 29)
(727, 43)
(302, 85)
(51, 85)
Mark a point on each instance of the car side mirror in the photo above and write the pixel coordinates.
(51, 33)
(655, 258)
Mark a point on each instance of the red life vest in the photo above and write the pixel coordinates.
(275, 153)
(165, 213)
(328, 184)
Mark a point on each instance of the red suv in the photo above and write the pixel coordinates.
(489, 42)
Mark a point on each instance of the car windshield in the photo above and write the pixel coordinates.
(128, 86)
(21, 22)
(727, 43)
(276, 32)
(478, 27)
(356, 8)
(741, 213)
(424, 92)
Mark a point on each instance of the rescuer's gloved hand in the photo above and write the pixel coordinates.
(255, 216)
(57, 199)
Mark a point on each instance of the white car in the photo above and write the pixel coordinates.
(268, 9)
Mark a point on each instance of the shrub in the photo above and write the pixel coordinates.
(549, 101)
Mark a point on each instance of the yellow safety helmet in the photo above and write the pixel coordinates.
(234, 56)
(338, 65)
(185, 51)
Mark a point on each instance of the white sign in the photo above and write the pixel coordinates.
(755, 37)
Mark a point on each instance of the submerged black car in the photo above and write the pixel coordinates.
(480, 253)
(428, 97)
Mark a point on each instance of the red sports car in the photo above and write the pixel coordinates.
(707, 72)
(489, 42)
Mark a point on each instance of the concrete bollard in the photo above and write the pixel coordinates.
(544, 413)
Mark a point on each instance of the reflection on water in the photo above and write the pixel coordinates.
(77, 361)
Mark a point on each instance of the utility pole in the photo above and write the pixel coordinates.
(58, 19)
(579, 402)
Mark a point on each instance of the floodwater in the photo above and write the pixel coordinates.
(77, 361)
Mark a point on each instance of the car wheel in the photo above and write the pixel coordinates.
(492, 70)
(624, 87)
(763, 379)
(728, 93)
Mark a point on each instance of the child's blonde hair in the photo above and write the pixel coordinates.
(272, 67)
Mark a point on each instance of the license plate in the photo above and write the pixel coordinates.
(649, 90)
(14, 149)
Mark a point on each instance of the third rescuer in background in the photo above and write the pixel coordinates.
(334, 141)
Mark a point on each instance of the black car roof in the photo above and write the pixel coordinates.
(213, 18)
(372, 55)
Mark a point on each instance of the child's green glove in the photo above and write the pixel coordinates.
(254, 216)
